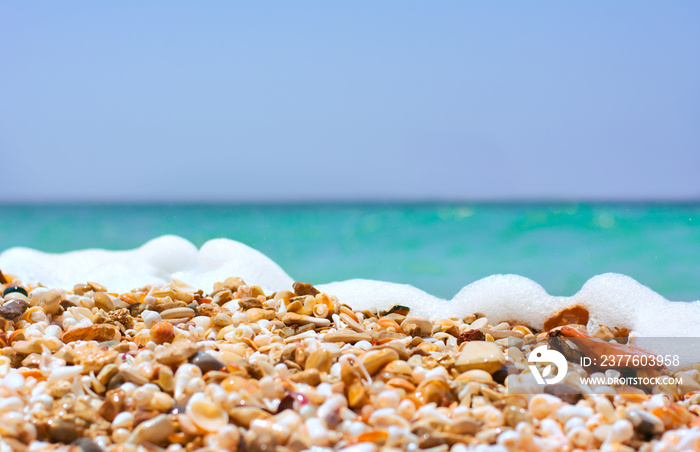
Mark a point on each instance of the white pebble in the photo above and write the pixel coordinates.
(621, 431)
(123, 420)
(388, 399)
(542, 405)
(509, 439)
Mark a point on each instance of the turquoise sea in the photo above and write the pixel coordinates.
(436, 247)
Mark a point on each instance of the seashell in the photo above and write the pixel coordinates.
(513, 415)
(95, 287)
(320, 360)
(417, 326)
(373, 436)
(257, 314)
(233, 283)
(398, 367)
(347, 311)
(542, 405)
(292, 318)
(673, 416)
(222, 297)
(101, 333)
(176, 354)
(177, 313)
(81, 289)
(142, 338)
(310, 377)
(130, 298)
(621, 431)
(401, 383)
(477, 375)
(221, 320)
(387, 399)
(436, 391)
(320, 311)
(351, 322)
(356, 395)
(256, 291)
(165, 379)
(375, 360)
(480, 355)
(309, 302)
(17, 335)
(229, 437)
(161, 402)
(124, 419)
(298, 307)
(346, 336)
(154, 431)
(284, 295)
(150, 318)
(464, 425)
(242, 416)
(103, 301)
(64, 373)
(385, 323)
(206, 414)
(162, 332)
(301, 288)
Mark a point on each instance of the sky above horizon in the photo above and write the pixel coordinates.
(388, 100)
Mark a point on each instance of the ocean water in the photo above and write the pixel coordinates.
(437, 248)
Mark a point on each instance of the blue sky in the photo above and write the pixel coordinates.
(279, 101)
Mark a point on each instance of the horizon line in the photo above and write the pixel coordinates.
(355, 202)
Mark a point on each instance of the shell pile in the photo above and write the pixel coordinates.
(173, 368)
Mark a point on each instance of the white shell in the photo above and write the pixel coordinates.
(205, 414)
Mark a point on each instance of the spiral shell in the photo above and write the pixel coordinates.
(320, 311)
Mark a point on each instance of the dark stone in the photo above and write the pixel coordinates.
(301, 288)
(86, 445)
(292, 401)
(116, 381)
(13, 309)
(15, 288)
(63, 431)
(500, 375)
(137, 308)
(645, 424)
(249, 303)
(565, 392)
(471, 335)
(206, 362)
(114, 403)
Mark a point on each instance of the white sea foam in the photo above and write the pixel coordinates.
(613, 299)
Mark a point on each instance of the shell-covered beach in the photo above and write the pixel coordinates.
(173, 366)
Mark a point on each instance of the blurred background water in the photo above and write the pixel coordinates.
(437, 247)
